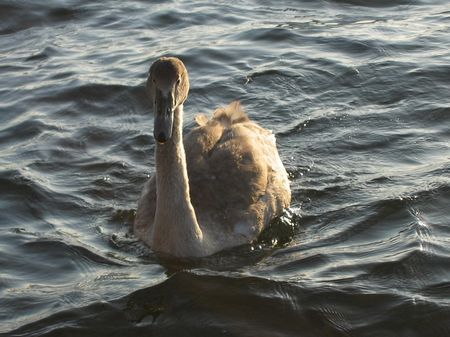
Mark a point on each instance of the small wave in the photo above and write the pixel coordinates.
(439, 292)
(376, 3)
(12, 16)
(276, 35)
(19, 186)
(40, 202)
(64, 256)
(45, 54)
(413, 270)
(25, 130)
(89, 96)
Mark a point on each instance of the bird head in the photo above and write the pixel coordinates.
(168, 87)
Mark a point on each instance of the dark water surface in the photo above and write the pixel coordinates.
(358, 95)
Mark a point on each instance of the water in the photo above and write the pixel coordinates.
(357, 93)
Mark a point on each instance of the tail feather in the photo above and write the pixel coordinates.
(233, 113)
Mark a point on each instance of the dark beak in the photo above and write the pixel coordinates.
(163, 120)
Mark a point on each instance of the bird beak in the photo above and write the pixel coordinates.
(163, 121)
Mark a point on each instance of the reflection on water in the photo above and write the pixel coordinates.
(357, 95)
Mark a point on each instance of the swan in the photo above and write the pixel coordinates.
(215, 188)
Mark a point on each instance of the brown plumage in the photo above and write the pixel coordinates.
(235, 181)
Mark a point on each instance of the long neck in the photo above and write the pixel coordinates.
(175, 229)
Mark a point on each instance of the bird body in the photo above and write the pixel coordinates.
(218, 186)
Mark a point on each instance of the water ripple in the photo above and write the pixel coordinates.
(357, 95)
